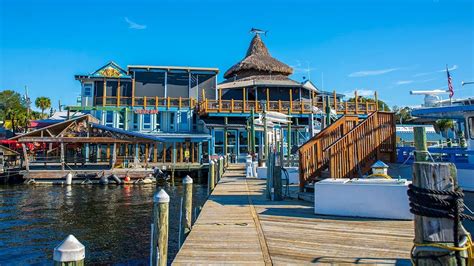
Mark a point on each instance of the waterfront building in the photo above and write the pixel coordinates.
(195, 117)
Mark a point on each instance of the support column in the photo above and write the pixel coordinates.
(265, 132)
(114, 155)
(252, 132)
(104, 92)
(288, 137)
(25, 156)
(225, 135)
(62, 156)
(87, 152)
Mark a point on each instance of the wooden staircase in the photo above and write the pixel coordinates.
(348, 147)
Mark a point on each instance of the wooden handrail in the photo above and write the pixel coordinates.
(373, 139)
(311, 154)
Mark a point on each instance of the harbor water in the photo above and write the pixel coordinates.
(113, 222)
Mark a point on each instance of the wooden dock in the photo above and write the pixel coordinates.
(238, 225)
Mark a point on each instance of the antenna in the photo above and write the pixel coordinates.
(308, 70)
(467, 83)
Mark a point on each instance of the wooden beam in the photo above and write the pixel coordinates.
(133, 92)
(244, 101)
(144, 102)
(376, 101)
(155, 152)
(291, 100)
(25, 156)
(356, 102)
(75, 139)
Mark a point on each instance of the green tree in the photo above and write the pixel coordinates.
(381, 104)
(43, 103)
(443, 125)
(402, 114)
(12, 107)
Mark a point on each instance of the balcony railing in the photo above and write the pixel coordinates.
(294, 107)
(146, 101)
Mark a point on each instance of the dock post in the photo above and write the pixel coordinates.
(421, 148)
(211, 181)
(431, 233)
(159, 229)
(186, 222)
(69, 252)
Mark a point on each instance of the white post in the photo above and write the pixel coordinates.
(159, 229)
(69, 252)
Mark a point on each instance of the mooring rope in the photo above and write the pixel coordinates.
(442, 204)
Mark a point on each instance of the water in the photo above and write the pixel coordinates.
(113, 222)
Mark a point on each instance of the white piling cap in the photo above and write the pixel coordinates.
(212, 162)
(161, 197)
(69, 250)
(187, 180)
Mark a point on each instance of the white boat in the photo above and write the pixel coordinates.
(463, 157)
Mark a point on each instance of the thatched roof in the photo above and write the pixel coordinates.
(258, 61)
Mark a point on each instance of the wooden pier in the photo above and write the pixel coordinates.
(238, 225)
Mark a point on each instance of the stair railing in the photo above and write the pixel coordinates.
(312, 159)
(371, 140)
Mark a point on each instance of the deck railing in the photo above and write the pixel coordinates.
(295, 107)
(354, 153)
(153, 101)
(348, 148)
(312, 159)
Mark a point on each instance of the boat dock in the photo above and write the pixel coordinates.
(238, 225)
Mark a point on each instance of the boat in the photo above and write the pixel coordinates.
(462, 155)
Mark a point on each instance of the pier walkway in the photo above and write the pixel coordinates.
(238, 225)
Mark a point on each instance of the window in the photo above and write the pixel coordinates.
(146, 121)
(87, 90)
(157, 122)
(219, 142)
(183, 121)
(109, 118)
(135, 122)
(243, 142)
(171, 121)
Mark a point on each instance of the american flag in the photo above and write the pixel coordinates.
(450, 84)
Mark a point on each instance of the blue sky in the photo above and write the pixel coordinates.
(388, 46)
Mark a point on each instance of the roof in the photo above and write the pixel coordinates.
(110, 70)
(259, 81)
(448, 112)
(258, 61)
(188, 68)
(57, 127)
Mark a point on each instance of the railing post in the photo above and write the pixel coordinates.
(211, 174)
(159, 229)
(168, 102)
(232, 105)
(69, 252)
(291, 101)
(244, 101)
(220, 99)
(376, 101)
(156, 102)
(356, 102)
(179, 103)
(186, 223)
(144, 102)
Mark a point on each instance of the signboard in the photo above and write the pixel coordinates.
(145, 111)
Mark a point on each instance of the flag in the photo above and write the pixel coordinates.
(450, 84)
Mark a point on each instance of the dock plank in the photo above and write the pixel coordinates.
(238, 225)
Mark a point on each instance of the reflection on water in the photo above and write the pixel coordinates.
(113, 222)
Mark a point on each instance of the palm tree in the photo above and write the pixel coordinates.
(43, 103)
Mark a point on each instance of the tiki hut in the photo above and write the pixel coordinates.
(257, 63)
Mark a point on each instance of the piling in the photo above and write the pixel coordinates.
(159, 229)
(186, 222)
(421, 147)
(434, 235)
(69, 252)
(212, 172)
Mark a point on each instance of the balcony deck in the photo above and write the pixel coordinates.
(209, 107)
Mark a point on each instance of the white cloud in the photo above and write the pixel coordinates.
(454, 67)
(134, 25)
(404, 82)
(365, 73)
(361, 92)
